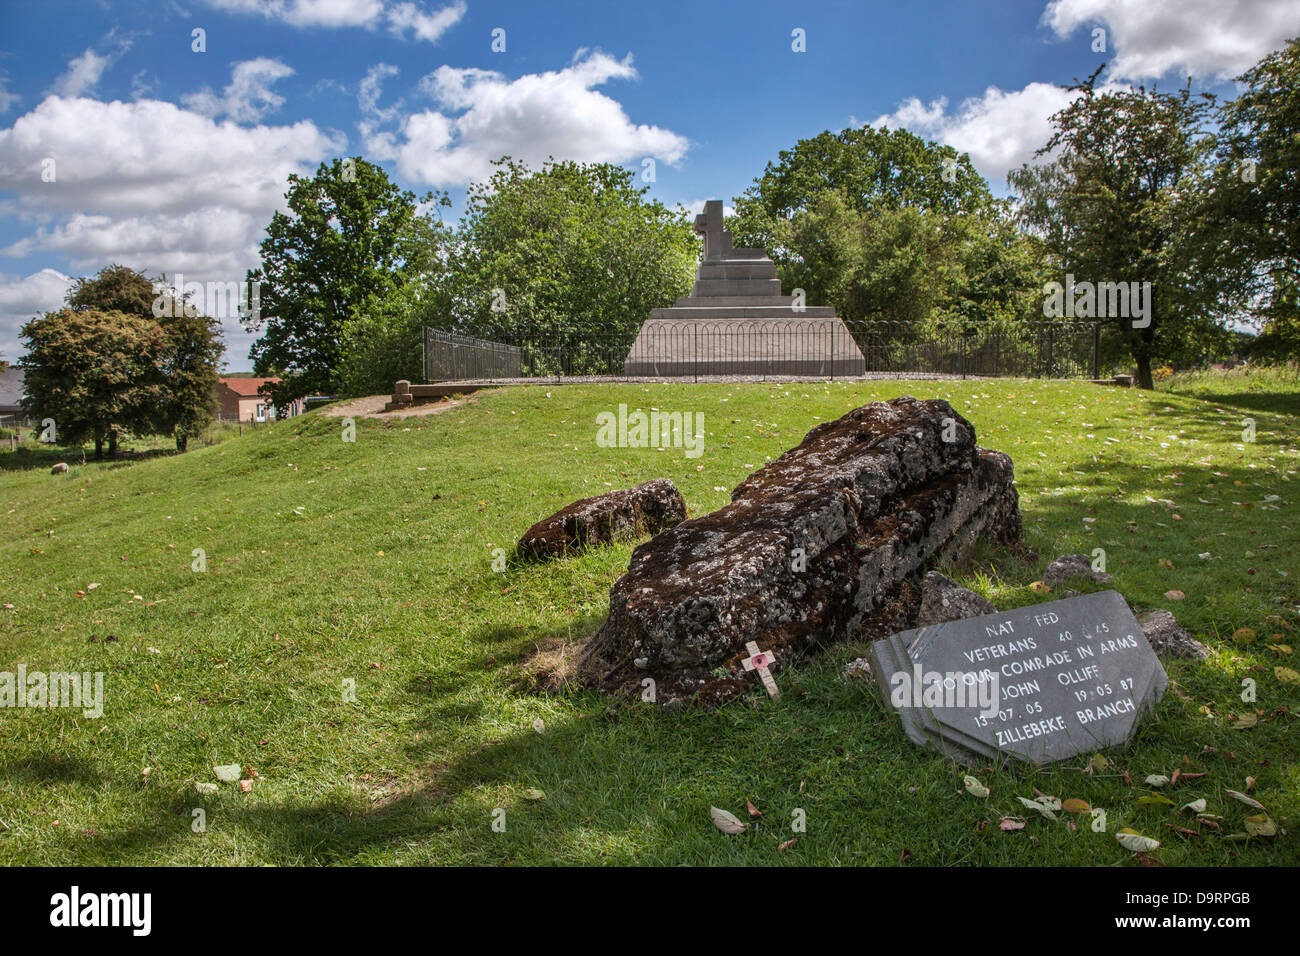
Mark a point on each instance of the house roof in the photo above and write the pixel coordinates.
(11, 386)
(246, 387)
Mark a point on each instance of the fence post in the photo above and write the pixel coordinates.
(696, 326)
(832, 325)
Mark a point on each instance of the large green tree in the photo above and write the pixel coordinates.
(94, 373)
(346, 239)
(1119, 201)
(1255, 210)
(567, 253)
(181, 393)
(882, 224)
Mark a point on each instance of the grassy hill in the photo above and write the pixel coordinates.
(369, 562)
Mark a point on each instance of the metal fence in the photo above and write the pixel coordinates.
(449, 356)
(775, 349)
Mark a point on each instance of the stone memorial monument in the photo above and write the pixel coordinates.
(1040, 683)
(737, 322)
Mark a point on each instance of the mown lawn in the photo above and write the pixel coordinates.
(371, 562)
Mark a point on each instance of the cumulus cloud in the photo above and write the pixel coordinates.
(424, 26)
(1208, 39)
(24, 298)
(151, 185)
(484, 115)
(82, 74)
(404, 17)
(999, 129)
(248, 97)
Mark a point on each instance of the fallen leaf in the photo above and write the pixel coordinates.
(1075, 805)
(228, 773)
(726, 822)
(1038, 587)
(1157, 780)
(1260, 825)
(1287, 675)
(975, 788)
(787, 844)
(246, 786)
(206, 788)
(753, 810)
(1174, 595)
(1248, 801)
(1245, 721)
(1011, 823)
(1035, 805)
(1196, 806)
(1132, 840)
(532, 793)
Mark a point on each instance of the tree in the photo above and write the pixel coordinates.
(383, 340)
(568, 251)
(183, 402)
(1256, 206)
(94, 373)
(345, 240)
(1119, 203)
(882, 224)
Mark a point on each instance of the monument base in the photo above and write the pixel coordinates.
(736, 346)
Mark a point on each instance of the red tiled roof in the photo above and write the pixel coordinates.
(246, 387)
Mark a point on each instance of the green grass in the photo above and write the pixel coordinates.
(1265, 388)
(371, 562)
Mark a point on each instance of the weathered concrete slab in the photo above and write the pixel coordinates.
(620, 515)
(813, 545)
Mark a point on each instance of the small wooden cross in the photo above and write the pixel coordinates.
(760, 661)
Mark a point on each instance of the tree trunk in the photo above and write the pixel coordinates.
(112, 443)
(99, 446)
(182, 441)
(1144, 379)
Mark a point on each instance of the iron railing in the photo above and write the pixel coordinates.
(785, 348)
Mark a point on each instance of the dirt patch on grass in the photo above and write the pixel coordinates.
(552, 665)
(372, 406)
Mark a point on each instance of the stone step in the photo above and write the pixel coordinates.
(782, 313)
(714, 287)
(718, 301)
(731, 269)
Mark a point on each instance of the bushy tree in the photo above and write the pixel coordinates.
(1120, 201)
(95, 373)
(345, 241)
(1255, 211)
(570, 251)
(882, 224)
(182, 401)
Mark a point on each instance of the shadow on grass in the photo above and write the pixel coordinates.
(25, 458)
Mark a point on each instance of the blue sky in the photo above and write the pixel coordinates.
(172, 160)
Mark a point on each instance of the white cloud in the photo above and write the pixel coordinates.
(378, 144)
(1209, 39)
(1000, 130)
(424, 26)
(485, 116)
(310, 13)
(402, 17)
(248, 97)
(7, 99)
(82, 74)
(153, 186)
(22, 299)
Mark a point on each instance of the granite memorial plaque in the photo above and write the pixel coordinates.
(1040, 683)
